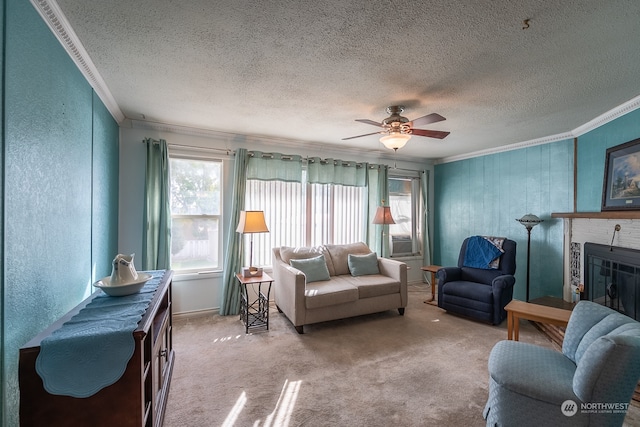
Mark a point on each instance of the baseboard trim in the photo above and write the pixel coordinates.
(196, 313)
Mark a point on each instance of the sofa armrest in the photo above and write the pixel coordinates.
(502, 287)
(392, 268)
(290, 284)
(449, 274)
(397, 270)
(446, 274)
(503, 282)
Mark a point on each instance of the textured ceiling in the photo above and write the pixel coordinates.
(305, 70)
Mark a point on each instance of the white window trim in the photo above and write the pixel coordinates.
(203, 154)
(416, 210)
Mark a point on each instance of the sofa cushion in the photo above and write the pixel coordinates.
(605, 326)
(314, 269)
(374, 285)
(340, 253)
(469, 290)
(288, 253)
(533, 371)
(328, 293)
(362, 265)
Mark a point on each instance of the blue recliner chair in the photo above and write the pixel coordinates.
(589, 383)
(479, 293)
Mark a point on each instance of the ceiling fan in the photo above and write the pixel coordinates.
(397, 130)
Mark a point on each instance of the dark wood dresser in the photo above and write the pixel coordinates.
(138, 398)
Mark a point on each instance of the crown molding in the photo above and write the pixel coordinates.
(233, 140)
(609, 116)
(602, 119)
(504, 148)
(61, 28)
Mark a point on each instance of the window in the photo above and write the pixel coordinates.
(196, 231)
(283, 206)
(406, 204)
(335, 215)
(304, 215)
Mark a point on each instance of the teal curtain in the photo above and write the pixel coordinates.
(235, 244)
(378, 195)
(338, 172)
(156, 231)
(274, 167)
(424, 226)
(383, 196)
(372, 233)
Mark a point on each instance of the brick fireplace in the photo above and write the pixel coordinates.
(596, 228)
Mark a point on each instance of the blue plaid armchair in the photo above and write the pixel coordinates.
(589, 383)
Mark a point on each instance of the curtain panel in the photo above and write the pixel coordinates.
(338, 172)
(230, 304)
(378, 195)
(156, 227)
(274, 167)
(424, 226)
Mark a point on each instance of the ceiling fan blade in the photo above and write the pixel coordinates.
(430, 133)
(359, 136)
(369, 122)
(428, 119)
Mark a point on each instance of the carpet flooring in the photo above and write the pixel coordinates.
(426, 368)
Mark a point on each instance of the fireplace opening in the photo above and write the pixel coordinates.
(612, 278)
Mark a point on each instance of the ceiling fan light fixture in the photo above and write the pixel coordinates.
(394, 141)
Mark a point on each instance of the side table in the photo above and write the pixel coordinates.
(433, 269)
(255, 313)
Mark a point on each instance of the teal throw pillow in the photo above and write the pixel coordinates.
(315, 269)
(361, 265)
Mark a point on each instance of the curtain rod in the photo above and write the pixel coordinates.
(191, 147)
(230, 152)
(404, 170)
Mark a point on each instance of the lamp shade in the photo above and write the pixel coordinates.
(395, 140)
(383, 216)
(529, 221)
(252, 222)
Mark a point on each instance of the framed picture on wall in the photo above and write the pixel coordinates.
(621, 189)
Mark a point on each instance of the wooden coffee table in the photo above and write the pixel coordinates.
(517, 310)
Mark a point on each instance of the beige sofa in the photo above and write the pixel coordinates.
(343, 295)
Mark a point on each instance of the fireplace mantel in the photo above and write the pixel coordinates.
(598, 215)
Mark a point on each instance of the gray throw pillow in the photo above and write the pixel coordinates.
(361, 265)
(315, 269)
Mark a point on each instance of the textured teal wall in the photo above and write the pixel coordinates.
(60, 187)
(106, 138)
(592, 149)
(3, 331)
(485, 195)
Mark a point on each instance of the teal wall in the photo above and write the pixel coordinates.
(484, 196)
(60, 178)
(2, 332)
(592, 149)
(105, 173)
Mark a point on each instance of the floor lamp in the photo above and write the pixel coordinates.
(383, 217)
(529, 221)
